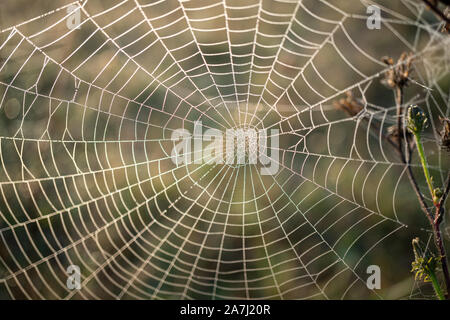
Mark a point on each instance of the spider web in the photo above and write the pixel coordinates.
(86, 176)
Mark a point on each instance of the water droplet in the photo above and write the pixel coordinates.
(12, 109)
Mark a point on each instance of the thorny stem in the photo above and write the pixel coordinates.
(423, 160)
(440, 245)
(400, 128)
(402, 132)
(434, 222)
(438, 235)
(436, 286)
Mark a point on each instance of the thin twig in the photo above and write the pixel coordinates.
(400, 128)
(397, 78)
(417, 121)
(438, 238)
(402, 132)
(441, 204)
(441, 248)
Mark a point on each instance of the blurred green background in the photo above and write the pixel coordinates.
(86, 178)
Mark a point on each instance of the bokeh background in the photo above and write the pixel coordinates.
(86, 178)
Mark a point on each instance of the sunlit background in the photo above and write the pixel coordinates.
(86, 176)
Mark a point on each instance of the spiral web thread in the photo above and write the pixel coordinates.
(86, 176)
